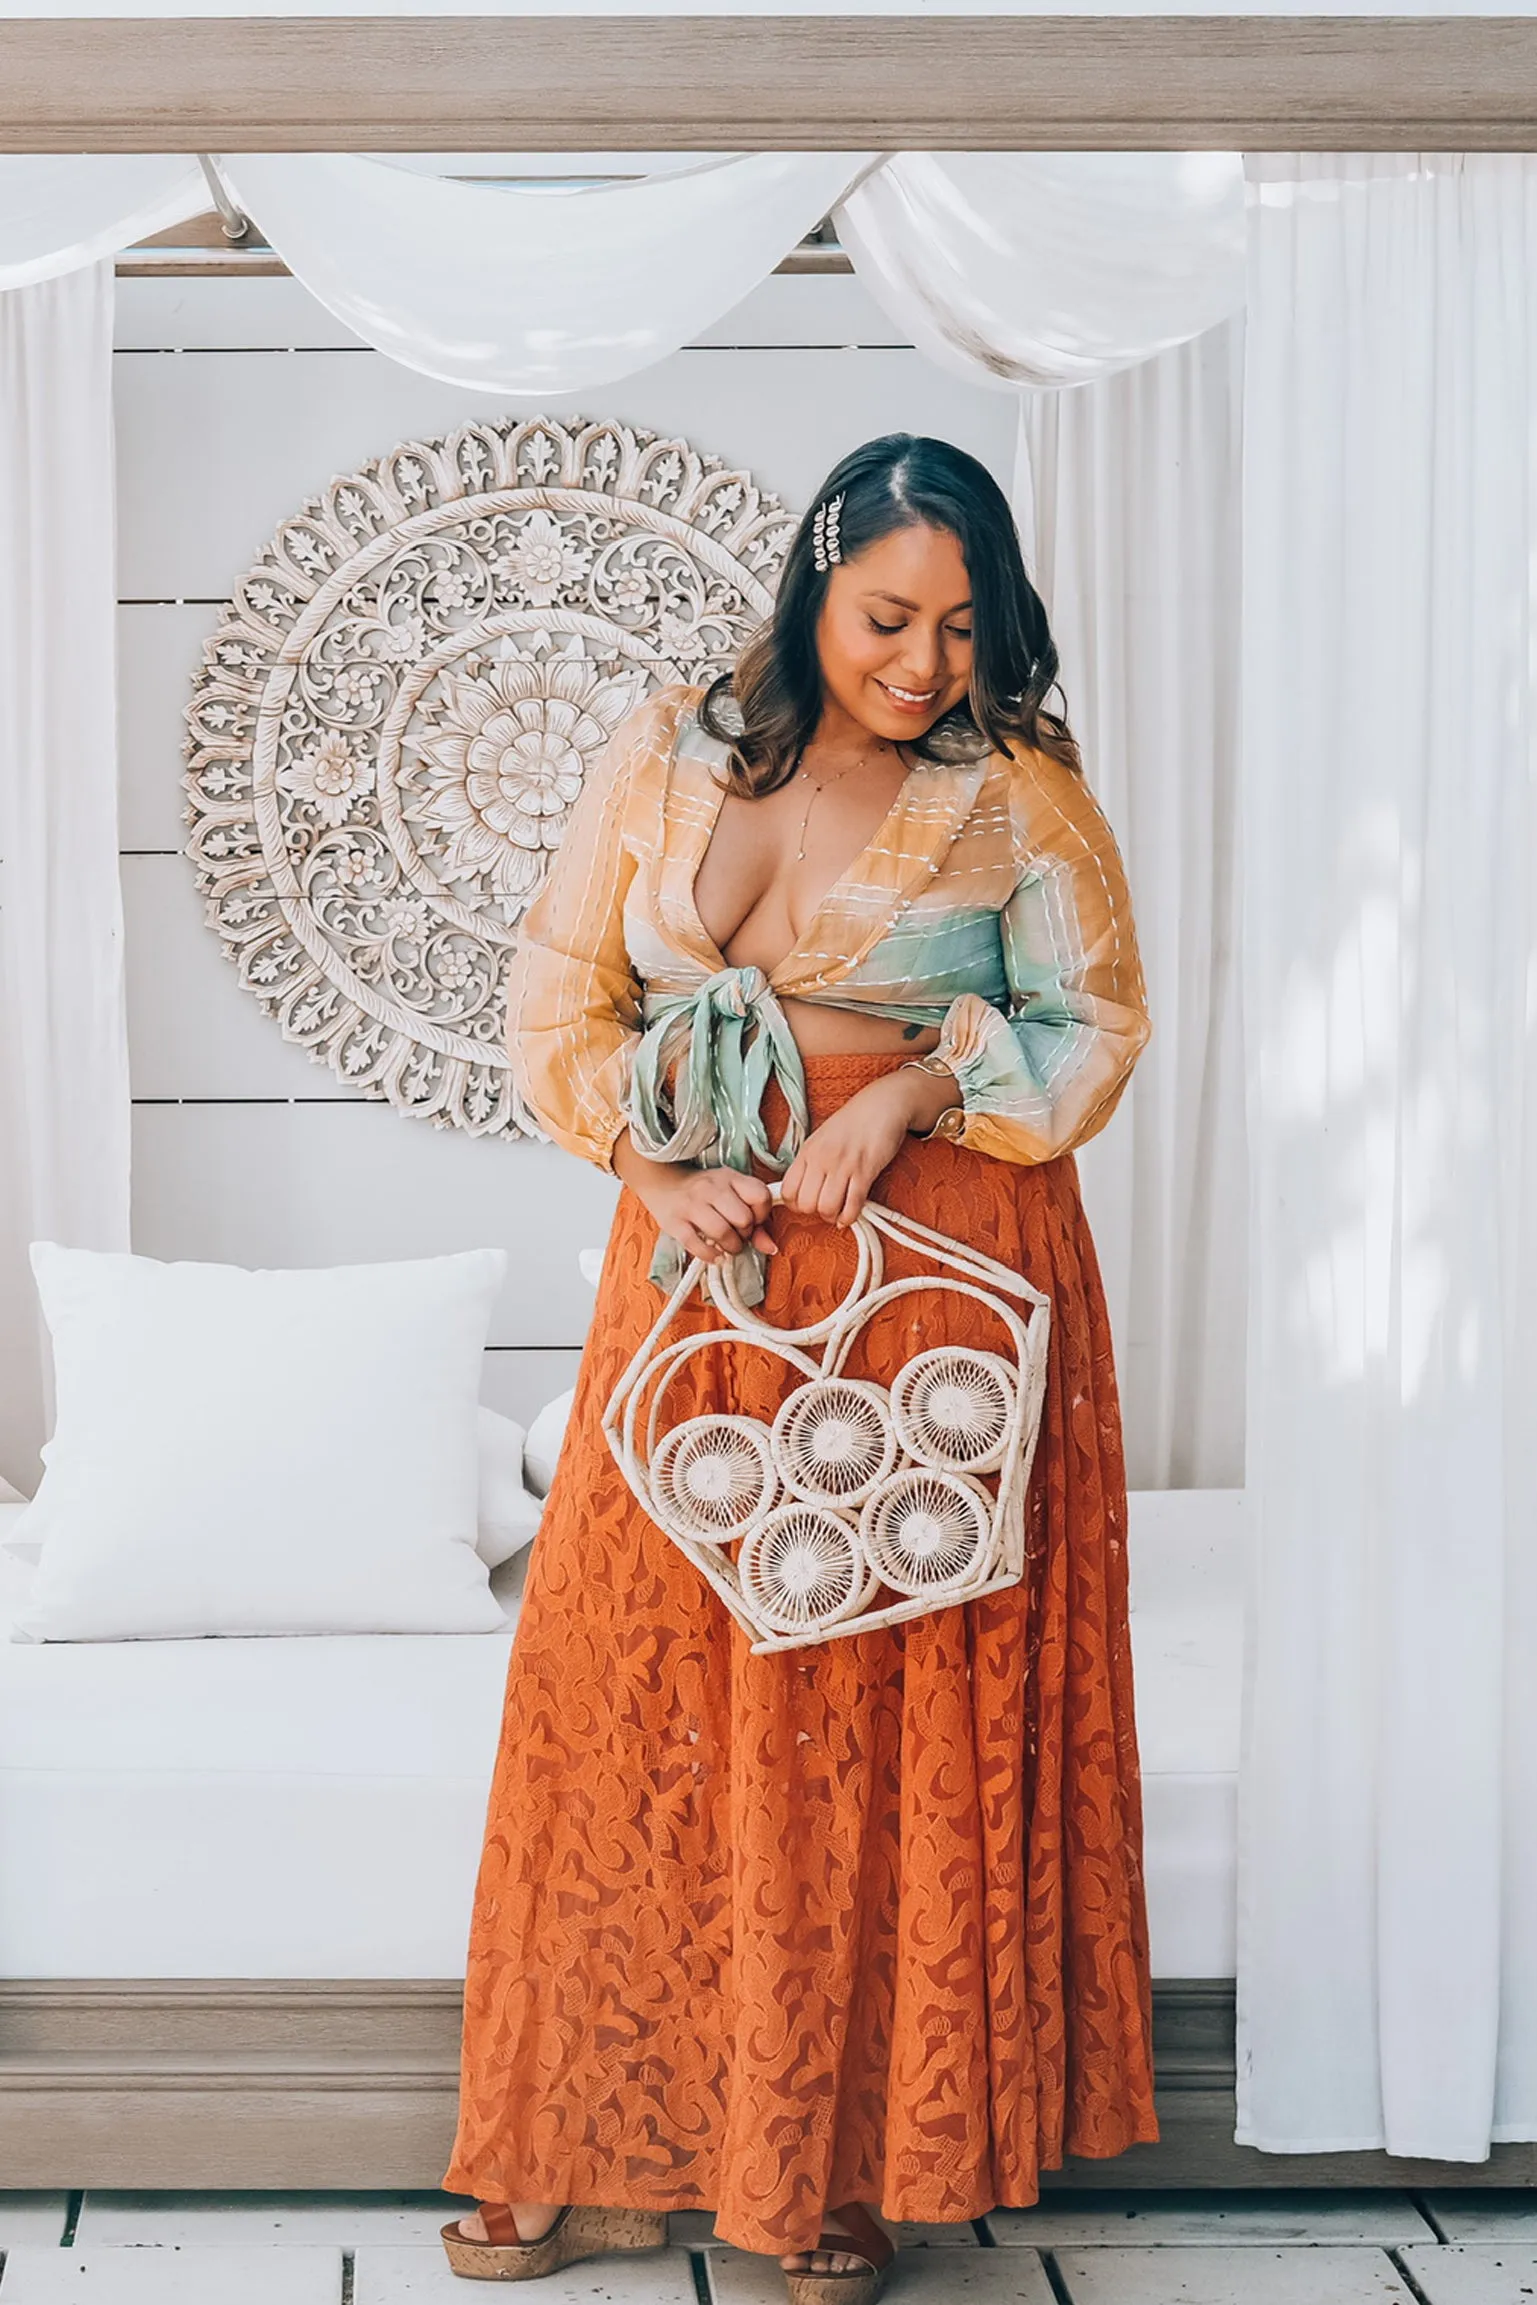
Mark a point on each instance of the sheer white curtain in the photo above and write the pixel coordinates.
(64, 1110)
(1129, 497)
(1388, 1905)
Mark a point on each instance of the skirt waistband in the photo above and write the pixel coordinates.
(860, 1064)
(830, 1081)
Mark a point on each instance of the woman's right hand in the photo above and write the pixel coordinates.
(712, 1213)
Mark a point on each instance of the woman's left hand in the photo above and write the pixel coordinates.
(831, 1175)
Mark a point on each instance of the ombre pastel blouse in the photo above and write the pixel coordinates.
(991, 903)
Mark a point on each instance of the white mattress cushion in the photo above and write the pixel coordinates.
(1188, 1557)
(244, 1807)
(348, 1705)
(314, 1808)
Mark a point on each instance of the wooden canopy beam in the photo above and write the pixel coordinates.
(761, 83)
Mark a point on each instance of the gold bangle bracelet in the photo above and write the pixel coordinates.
(934, 1065)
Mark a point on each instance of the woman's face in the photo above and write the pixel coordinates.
(894, 633)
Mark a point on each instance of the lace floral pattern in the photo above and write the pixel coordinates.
(859, 1922)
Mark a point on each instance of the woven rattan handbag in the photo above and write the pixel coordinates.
(858, 1505)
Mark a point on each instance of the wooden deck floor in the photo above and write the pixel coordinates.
(1476, 2247)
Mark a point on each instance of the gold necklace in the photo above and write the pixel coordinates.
(819, 785)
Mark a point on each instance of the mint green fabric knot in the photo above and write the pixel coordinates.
(728, 1040)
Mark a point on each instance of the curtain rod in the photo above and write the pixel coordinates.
(223, 243)
(233, 221)
(254, 260)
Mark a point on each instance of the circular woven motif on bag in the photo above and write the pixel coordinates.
(399, 706)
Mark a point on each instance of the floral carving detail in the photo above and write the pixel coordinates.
(543, 561)
(508, 765)
(399, 706)
(330, 776)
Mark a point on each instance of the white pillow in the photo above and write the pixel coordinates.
(509, 1512)
(506, 1517)
(542, 1448)
(260, 1452)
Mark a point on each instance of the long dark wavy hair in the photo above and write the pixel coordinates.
(769, 705)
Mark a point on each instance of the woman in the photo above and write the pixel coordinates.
(855, 1927)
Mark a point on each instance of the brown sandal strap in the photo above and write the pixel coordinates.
(501, 2225)
(864, 2238)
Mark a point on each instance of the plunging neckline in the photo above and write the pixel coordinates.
(834, 889)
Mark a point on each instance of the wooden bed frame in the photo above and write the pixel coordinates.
(352, 2084)
(745, 83)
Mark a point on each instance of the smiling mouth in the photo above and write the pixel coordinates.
(911, 698)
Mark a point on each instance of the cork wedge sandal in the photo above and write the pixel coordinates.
(577, 2232)
(862, 2237)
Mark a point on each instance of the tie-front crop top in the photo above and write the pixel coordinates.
(991, 903)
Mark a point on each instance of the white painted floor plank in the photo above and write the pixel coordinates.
(1474, 2273)
(35, 2276)
(422, 2277)
(1476, 2215)
(1125, 2220)
(335, 2220)
(32, 2217)
(925, 2277)
(1224, 2276)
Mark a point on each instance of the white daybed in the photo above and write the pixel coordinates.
(235, 1881)
(313, 1808)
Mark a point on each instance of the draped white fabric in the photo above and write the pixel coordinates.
(522, 290)
(64, 1111)
(1388, 1905)
(1049, 268)
(61, 210)
(1135, 549)
(1041, 267)
(1006, 267)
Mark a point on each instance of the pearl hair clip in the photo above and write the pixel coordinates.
(824, 531)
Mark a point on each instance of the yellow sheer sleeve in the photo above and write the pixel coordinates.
(573, 999)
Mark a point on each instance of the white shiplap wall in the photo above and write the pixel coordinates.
(235, 399)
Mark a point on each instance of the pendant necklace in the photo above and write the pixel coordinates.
(818, 785)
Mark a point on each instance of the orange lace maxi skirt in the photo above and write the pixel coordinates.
(857, 1922)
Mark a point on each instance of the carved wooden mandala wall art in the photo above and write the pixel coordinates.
(399, 704)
